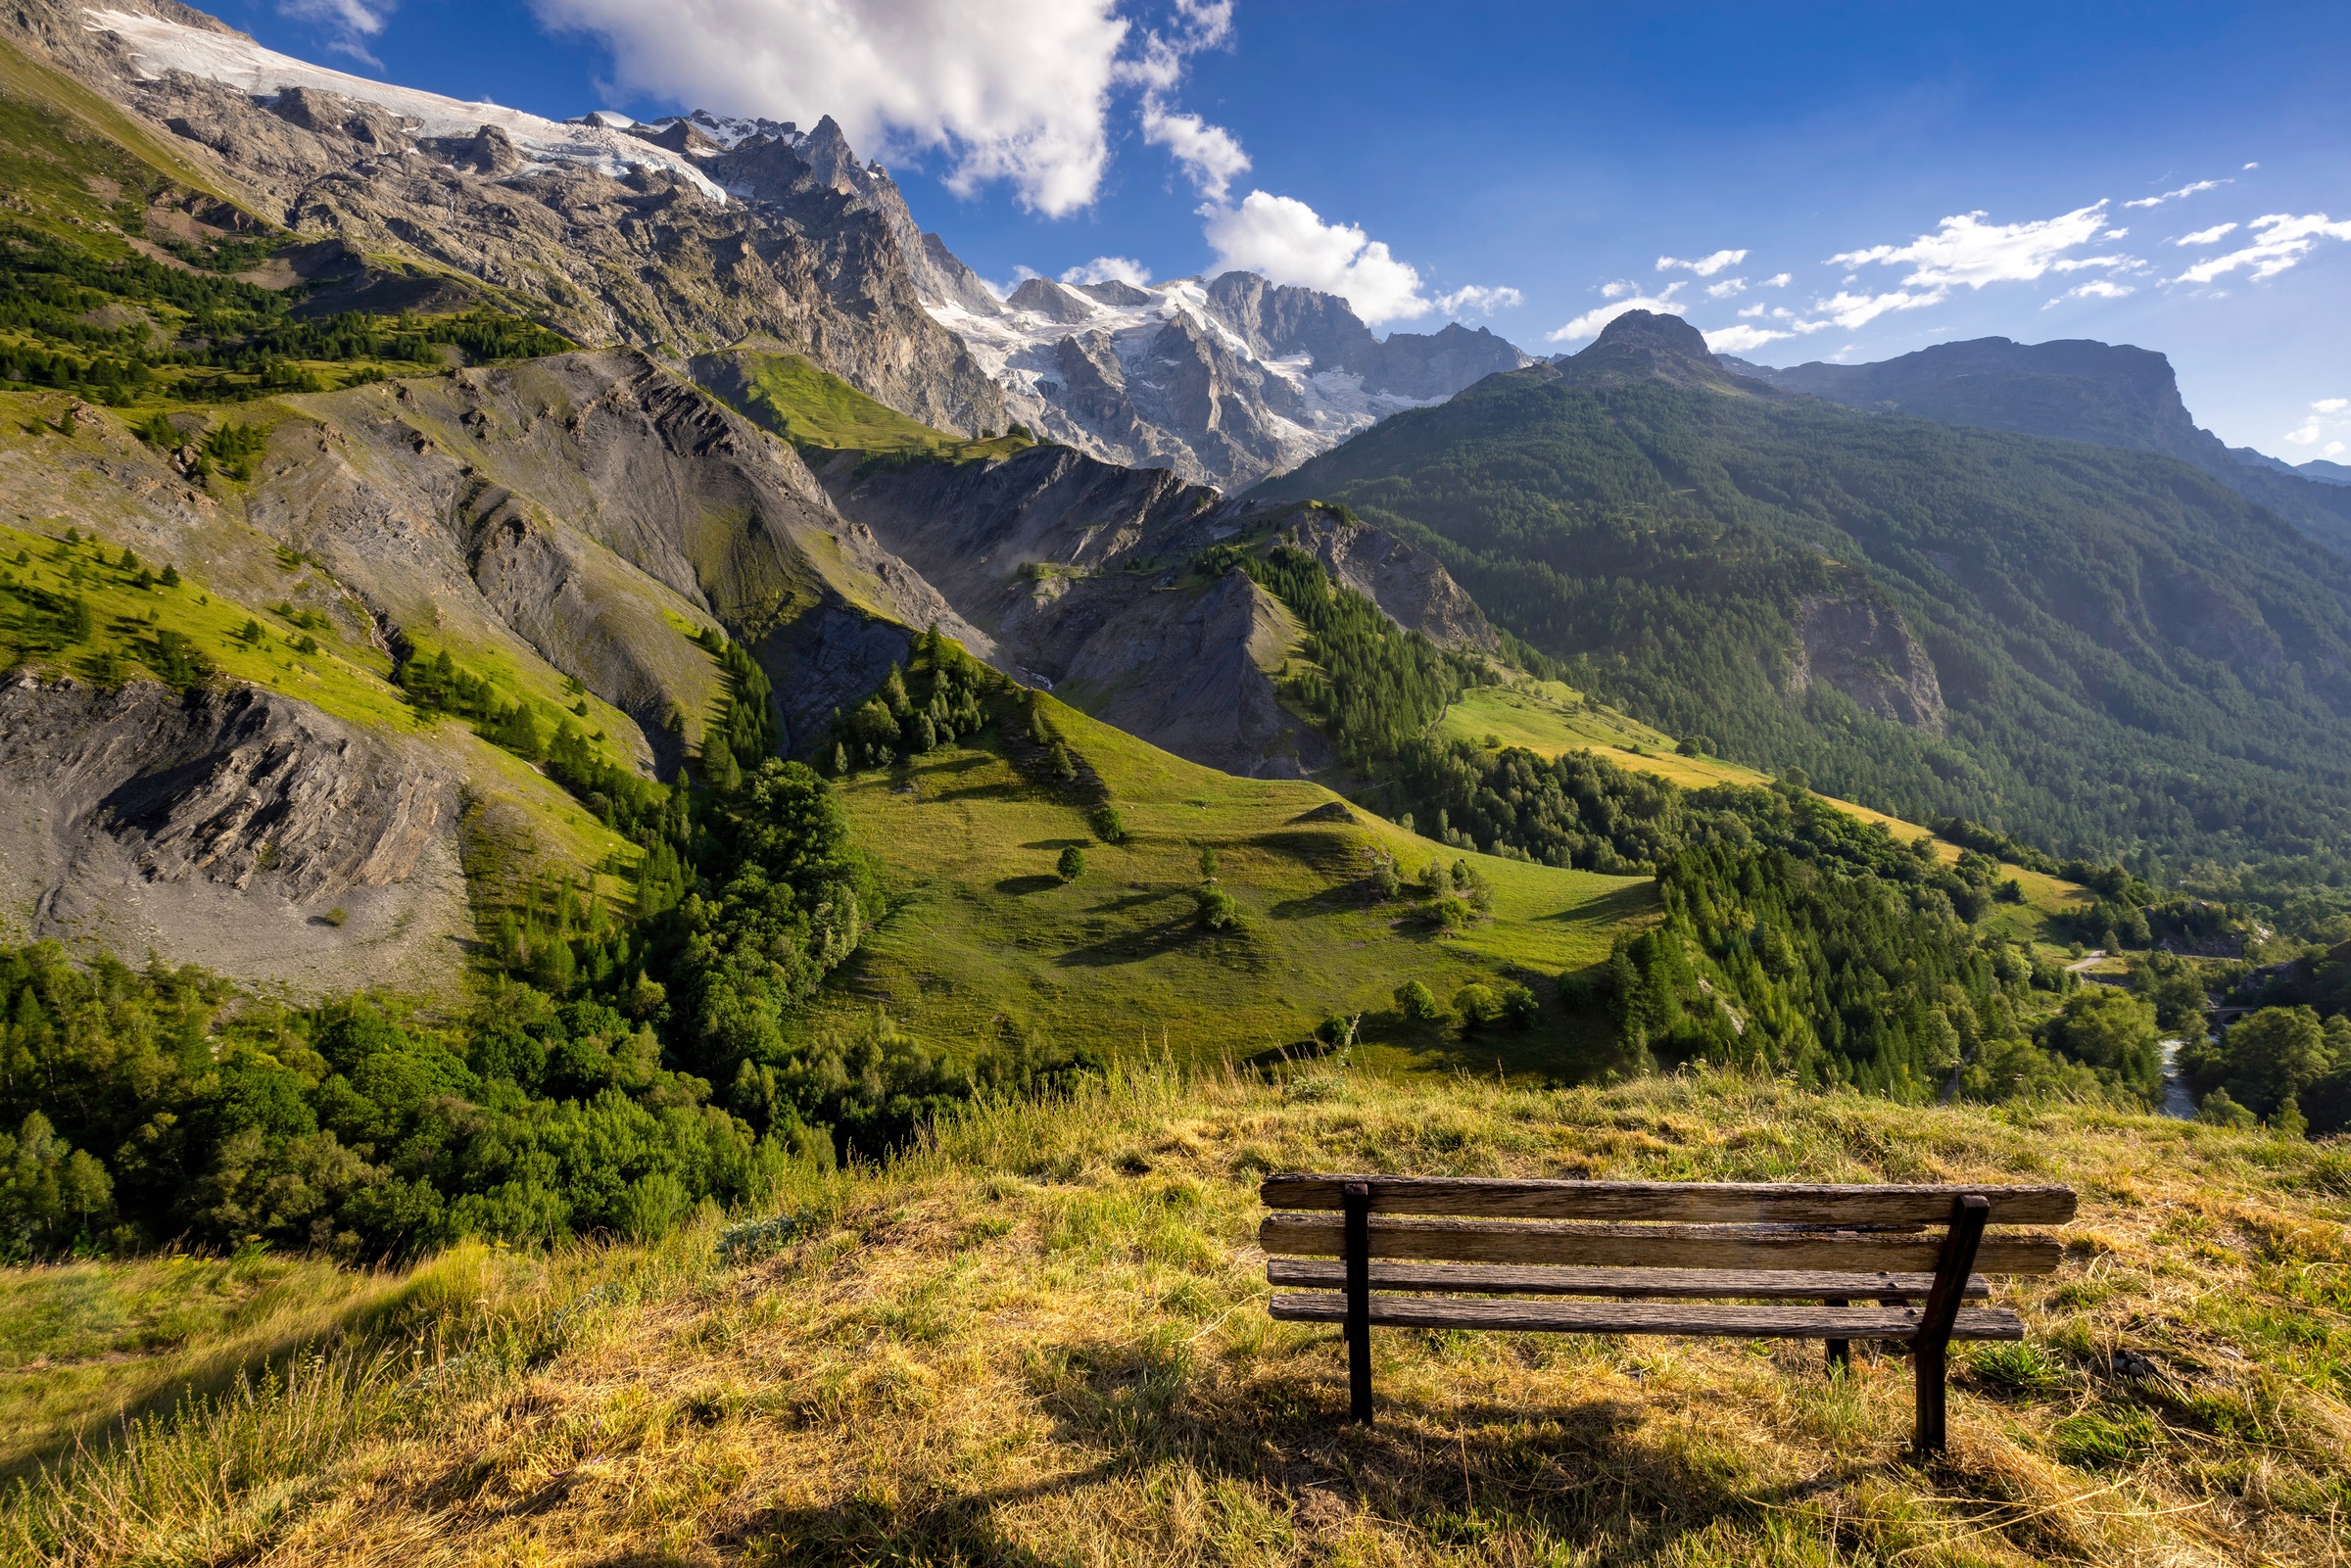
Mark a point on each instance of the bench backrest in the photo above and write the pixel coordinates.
(1746, 1226)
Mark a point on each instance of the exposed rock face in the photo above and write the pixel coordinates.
(1079, 574)
(1224, 381)
(606, 242)
(222, 826)
(2110, 394)
(1862, 649)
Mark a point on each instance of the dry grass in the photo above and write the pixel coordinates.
(1040, 1338)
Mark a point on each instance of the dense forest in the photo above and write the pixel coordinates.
(121, 330)
(2136, 661)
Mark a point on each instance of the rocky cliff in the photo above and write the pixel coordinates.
(413, 200)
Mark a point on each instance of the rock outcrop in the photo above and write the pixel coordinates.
(233, 827)
(1853, 644)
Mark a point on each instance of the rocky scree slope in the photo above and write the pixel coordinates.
(408, 200)
(2110, 394)
(1081, 576)
(1223, 380)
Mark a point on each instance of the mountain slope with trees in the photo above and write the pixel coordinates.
(2098, 651)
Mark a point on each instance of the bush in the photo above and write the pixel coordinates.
(1416, 1002)
(1072, 864)
(1477, 1006)
(1217, 910)
(1337, 1030)
(1519, 1006)
(1107, 824)
(2222, 1111)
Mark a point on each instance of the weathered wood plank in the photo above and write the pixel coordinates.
(1698, 1200)
(1476, 1241)
(1796, 1285)
(1695, 1319)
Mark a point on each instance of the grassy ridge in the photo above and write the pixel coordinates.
(809, 406)
(989, 939)
(1040, 1338)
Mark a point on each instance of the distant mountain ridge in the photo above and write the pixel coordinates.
(1224, 380)
(2110, 394)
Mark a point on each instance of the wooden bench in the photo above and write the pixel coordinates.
(1665, 1257)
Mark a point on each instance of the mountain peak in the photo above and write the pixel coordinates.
(1648, 346)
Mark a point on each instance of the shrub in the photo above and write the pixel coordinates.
(338, 916)
(1337, 1031)
(1477, 1006)
(1416, 1002)
(1217, 910)
(1107, 825)
(1072, 864)
(1519, 1006)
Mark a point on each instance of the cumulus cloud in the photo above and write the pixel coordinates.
(1288, 242)
(1726, 288)
(2095, 289)
(1012, 90)
(1619, 289)
(1705, 267)
(1588, 325)
(1967, 251)
(1752, 311)
(2280, 241)
(2325, 416)
(1477, 297)
(349, 24)
(1210, 156)
(2206, 237)
(1778, 280)
(1741, 339)
(1109, 269)
(2184, 190)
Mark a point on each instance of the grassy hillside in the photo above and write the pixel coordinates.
(810, 407)
(988, 942)
(2135, 660)
(1551, 718)
(1041, 1338)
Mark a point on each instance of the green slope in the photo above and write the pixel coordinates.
(2133, 657)
(989, 942)
(811, 407)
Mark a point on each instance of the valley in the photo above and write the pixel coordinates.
(667, 868)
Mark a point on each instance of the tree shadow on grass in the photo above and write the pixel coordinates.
(1180, 934)
(1023, 887)
(910, 1528)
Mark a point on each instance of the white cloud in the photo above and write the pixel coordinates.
(2281, 241)
(1288, 242)
(1853, 310)
(1967, 251)
(1741, 339)
(2095, 289)
(1705, 267)
(2184, 190)
(349, 24)
(1778, 280)
(2333, 449)
(2325, 416)
(1726, 288)
(1618, 289)
(1752, 311)
(1588, 325)
(1109, 269)
(1015, 90)
(1209, 155)
(2252, 166)
(1477, 297)
(2206, 237)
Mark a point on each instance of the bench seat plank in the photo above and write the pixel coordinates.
(1474, 1241)
(1700, 1283)
(1647, 1318)
(1699, 1201)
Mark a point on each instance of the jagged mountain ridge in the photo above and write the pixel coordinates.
(606, 235)
(2110, 394)
(1224, 380)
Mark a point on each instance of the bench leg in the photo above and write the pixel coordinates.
(1930, 1350)
(1356, 1198)
(1841, 1352)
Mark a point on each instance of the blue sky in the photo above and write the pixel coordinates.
(1552, 154)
